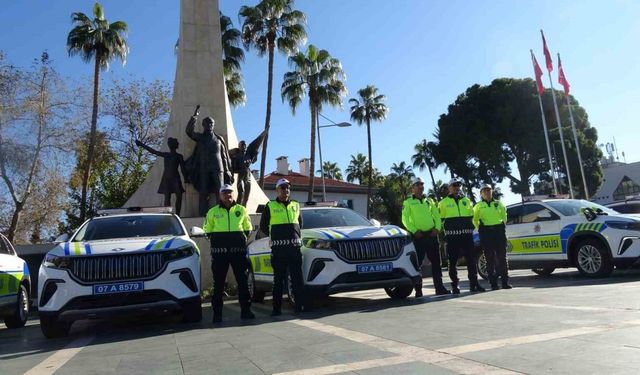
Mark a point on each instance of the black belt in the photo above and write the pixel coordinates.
(292, 242)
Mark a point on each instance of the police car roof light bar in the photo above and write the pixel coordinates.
(120, 211)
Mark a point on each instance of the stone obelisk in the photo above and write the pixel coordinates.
(199, 81)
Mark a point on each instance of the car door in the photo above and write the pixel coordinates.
(260, 257)
(533, 231)
(11, 271)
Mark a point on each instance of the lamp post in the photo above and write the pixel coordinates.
(341, 125)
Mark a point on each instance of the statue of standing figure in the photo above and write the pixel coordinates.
(209, 167)
(170, 182)
(242, 157)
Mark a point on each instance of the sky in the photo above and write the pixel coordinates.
(420, 54)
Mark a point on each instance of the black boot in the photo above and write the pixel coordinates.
(454, 287)
(247, 314)
(442, 291)
(418, 291)
(494, 283)
(476, 287)
(505, 283)
(276, 311)
(217, 316)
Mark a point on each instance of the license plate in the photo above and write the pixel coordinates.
(374, 267)
(135, 286)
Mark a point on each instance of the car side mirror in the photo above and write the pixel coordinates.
(375, 222)
(64, 237)
(197, 232)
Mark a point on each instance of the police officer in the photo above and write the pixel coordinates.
(228, 225)
(490, 217)
(457, 212)
(420, 216)
(281, 219)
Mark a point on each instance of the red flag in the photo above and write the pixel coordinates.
(547, 55)
(562, 79)
(538, 72)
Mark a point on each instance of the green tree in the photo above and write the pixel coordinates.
(331, 170)
(489, 127)
(369, 106)
(104, 158)
(99, 41)
(402, 173)
(232, 57)
(269, 25)
(357, 169)
(424, 158)
(320, 77)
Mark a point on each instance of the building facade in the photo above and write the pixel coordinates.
(344, 193)
(621, 181)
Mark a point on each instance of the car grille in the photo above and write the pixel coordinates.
(369, 250)
(117, 267)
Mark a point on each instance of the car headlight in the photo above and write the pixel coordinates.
(55, 261)
(179, 253)
(408, 240)
(316, 243)
(624, 225)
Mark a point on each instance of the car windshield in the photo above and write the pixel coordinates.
(333, 217)
(129, 226)
(572, 207)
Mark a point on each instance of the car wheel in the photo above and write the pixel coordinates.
(482, 265)
(21, 312)
(52, 328)
(399, 292)
(192, 311)
(255, 294)
(543, 271)
(593, 259)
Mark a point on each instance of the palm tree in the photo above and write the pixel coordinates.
(401, 170)
(368, 107)
(99, 41)
(320, 77)
(271, 24)
(423, 158)
(331, 170)
(232, 56)
(357, 168)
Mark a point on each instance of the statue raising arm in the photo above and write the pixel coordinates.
(150, 149)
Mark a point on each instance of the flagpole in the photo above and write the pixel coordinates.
(555, 107)
(564, 150)
(546, 136)
(575, 136)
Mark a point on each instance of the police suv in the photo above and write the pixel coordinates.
(126, 262)
(556, 233)
(342, 251)
(15, 286)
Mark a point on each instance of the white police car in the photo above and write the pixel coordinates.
(127, 262)
(342, 251)
(557, 233)
(15, 286)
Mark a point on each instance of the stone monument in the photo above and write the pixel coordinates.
(199, 81)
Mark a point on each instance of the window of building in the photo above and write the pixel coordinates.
(627, 187)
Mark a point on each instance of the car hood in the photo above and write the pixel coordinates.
(120, 246)
(343, 233)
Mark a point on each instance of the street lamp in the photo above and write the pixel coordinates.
(341, 125)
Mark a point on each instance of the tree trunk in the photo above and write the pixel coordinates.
(369, 183)
(267, 121)
(15, 218)
(433, 182)
(92, 141)
(312, 152)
